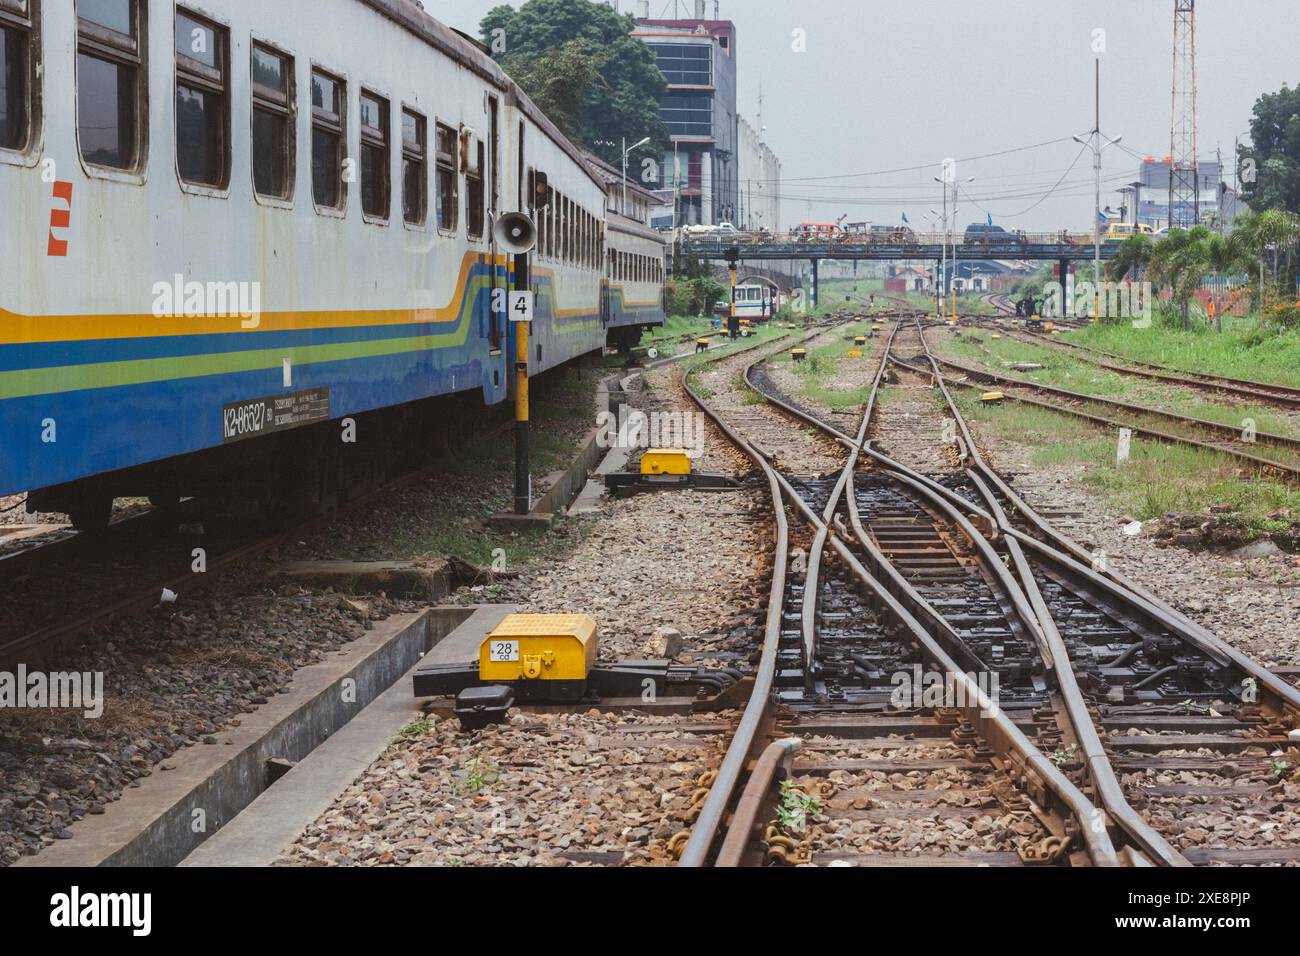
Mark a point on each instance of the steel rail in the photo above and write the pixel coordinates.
(1068, 556)
(992, 723)
(1256, 462)
(713, 811)
(1072, 558)
(1285, 441)
(1055, 654)
(1287, 395)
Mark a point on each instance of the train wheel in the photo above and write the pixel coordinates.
(92, 513)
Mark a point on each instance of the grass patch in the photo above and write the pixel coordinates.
(1157, 479)
(1243, 350)
(823, 374)
(1063, 369)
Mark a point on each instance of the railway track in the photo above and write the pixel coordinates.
(1267, 393)
(1281, 396)
(977, 761)
(1282, 460)
(1103, 691)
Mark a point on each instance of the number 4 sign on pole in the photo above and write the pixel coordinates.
(521, 306)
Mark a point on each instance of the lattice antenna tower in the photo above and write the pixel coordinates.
(1184, 172)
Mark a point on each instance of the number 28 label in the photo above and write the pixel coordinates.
(503, 651)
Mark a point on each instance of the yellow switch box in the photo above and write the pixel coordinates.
(992, 397)
(666, 461)
(546, 647)
(798, 354)
(859, 340)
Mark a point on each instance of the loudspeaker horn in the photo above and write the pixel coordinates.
(515, 233)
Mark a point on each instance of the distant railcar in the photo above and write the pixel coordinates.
(756, 301)
(634, 269)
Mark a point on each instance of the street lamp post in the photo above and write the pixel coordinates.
(943, 262)
(955, 187)
(1099, 144)
(627, 150)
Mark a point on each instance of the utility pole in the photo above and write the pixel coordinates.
(943, 243)
(627, 150)
(1099, 144)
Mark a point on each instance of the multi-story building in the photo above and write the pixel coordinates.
(760, 182)
(700, 176)
(1152, 192)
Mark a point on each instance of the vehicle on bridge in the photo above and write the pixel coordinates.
(983, 234)
(1119, 231)
(816, 232)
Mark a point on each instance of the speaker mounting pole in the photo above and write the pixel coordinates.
(523, 479)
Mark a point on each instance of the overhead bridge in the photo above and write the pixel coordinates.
(1055, 250)
(1062, 248)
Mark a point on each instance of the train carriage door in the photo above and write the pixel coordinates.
(496, 274)
(606, 306)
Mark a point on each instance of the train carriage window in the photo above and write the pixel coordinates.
(19, 50)
(552, 214)
(375, 192)
(273, 123)
(415, 190)
(568, 230)
(111, 82)
(562, 224)
(328, 94)
(447, 196)
(542, 220)
(202, 101)
(475, 197)
(559, 227)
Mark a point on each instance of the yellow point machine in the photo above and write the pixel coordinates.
(551, 659)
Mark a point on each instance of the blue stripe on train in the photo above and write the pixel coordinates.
(106, 429)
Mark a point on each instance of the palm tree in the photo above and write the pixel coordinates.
(1181, 262)
(1133, 255)
(1225, 256)
(1258, 234)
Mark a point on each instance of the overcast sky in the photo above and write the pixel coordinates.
(888, 84)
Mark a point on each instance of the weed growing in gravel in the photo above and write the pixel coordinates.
(1062, 757)
(795, 808)
(480, 774)
(415, 730)
(1280, 768)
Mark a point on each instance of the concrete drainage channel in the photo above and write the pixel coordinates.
(287, 760)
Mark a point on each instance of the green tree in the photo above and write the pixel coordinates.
(1133, 255)
(576, 60)
(1275, 156)
(1266, 236)
(1180, 263)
